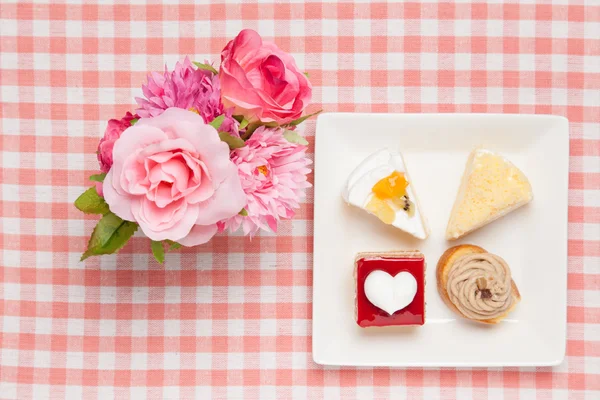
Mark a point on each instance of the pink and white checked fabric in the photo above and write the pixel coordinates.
(233, 318)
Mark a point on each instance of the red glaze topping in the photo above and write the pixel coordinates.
(370, 315)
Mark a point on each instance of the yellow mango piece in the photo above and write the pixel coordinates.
(390, 187)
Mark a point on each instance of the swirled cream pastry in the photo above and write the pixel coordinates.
(476, 284)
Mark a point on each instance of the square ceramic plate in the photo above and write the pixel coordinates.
(533, 239)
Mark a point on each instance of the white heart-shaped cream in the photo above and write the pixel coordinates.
(390, 293)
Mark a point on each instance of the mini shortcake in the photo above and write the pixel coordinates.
(381, 186)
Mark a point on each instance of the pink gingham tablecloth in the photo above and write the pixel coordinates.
(233, 318)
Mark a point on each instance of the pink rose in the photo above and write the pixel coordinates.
(261, 81)
(173, 176)
(113, 130)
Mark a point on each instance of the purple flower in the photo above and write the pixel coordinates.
(189, 88)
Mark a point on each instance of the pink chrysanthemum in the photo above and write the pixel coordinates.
(189, 88)
(273, 174)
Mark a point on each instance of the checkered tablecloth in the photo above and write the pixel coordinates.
(233, 318)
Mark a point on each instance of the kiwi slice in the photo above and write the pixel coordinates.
(405, 204)
(410, 207)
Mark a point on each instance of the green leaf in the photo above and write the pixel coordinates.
(216, 123)
(294, 137)
(206, 67)
(234, 142)
(243, 213)
(242, 120)
(172, 245)
(158, 251)
(306, 74)
(302, 119)
(91, 203)
(254, 126)
(98, 177)
(110, 234)
(133, 121)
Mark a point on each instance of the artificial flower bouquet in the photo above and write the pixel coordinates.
(207, 151)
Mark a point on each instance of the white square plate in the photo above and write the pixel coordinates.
(533, 239)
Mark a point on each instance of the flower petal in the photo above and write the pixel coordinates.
(117, 203)
(178, 230)
(199, 234)
(177, 168)
(228, 200)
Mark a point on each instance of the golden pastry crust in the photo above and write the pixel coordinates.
(389, 254)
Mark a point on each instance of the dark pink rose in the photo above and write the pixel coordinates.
(113, 131)
(261, 81)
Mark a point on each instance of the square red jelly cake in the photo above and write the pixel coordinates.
(390, 288)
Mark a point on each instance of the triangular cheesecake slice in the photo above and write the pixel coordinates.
(491, 187)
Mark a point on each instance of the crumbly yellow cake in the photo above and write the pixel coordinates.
(491, 187)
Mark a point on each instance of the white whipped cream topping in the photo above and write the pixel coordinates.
(390, 293)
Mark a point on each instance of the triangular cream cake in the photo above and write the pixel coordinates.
(491, 187)
(380, 185)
